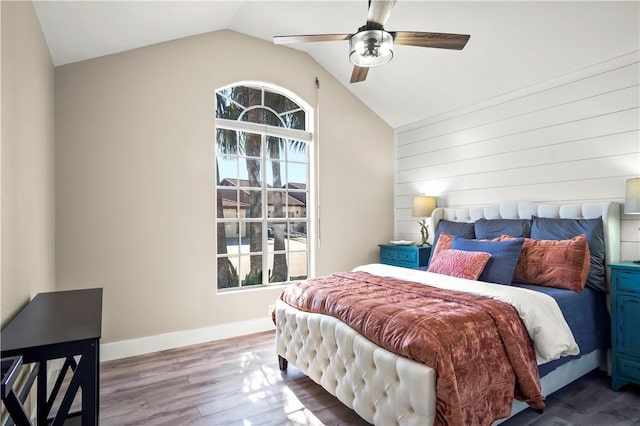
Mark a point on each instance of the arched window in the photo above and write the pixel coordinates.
(263, 139)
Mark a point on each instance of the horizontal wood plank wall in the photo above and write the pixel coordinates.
(573, 139)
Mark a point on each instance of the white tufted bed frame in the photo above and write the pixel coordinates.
(387, 389)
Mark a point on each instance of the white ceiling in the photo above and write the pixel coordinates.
(512, 45)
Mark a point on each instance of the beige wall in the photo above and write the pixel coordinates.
(135, 178)
(27, 179)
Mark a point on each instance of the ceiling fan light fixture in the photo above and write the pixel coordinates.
(370, 48)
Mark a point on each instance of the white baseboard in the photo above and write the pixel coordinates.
(160, 342)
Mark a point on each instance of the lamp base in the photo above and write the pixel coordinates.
(424, 232)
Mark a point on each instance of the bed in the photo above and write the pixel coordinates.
(386, 388)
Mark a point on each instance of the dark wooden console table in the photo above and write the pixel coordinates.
(61, 324)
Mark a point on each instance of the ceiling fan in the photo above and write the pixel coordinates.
(372, 45)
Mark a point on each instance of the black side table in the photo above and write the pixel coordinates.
(61, 324)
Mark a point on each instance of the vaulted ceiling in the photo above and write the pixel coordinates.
(513, 44)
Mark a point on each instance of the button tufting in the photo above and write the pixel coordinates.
(363, 375)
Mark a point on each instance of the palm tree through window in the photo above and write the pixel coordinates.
(262, 186)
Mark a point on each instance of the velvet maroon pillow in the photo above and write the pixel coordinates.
(554, 263)
(458, 263)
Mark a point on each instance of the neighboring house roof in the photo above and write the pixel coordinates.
(233, 203)
(230, 196)
(300, 196)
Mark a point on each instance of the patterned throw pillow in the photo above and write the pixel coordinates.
(458, 263)
(458, 229)
(444, 243)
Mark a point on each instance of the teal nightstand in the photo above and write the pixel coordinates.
(625, 323)
(406, 256)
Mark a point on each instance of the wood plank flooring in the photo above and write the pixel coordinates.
(228, 382)
(237, 382)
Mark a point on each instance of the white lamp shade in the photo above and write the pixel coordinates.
(632, 196)
(423, 206)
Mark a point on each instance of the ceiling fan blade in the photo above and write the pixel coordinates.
(310, 38)
(379, 11)
(437, 40)
(359, 74)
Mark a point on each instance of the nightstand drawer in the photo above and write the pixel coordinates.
(629, 368)
(627, 281)
(408, 256)
(387, 254)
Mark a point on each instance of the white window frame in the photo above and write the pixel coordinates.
(280, 132)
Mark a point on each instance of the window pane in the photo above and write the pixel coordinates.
(251, 270)
(252, 206)
(262, 116)
(277, 236)
(297, 204)
(227, 109)
(253, 240)
(275, 173)
(250, 144)
(297, 174)
(228, 235)
(298, 265)
(280, 270)
(227, 272)
(227, 204)
(278, 102)
(227, 168)
(244, 95)
(227, 142)
(297, 236)
(233, 233)
(250, 169)
(276, 148)
(243, 173)
(277, 206)
(297, 151)
(295, 120)
(277, 256)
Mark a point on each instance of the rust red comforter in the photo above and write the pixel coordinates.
(479, 347)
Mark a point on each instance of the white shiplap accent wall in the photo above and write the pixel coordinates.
(572, 139)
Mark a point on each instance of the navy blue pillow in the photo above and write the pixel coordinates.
(504, 257)
(458, 229)
(493, 228)
(563, 229)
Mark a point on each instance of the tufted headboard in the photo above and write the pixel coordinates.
(610, 213)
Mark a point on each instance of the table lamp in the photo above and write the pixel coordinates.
(423, 206)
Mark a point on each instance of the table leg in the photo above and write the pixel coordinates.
(90, 382)
(41, 394)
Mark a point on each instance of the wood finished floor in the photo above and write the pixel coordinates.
(237, 382)
(229, 382)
